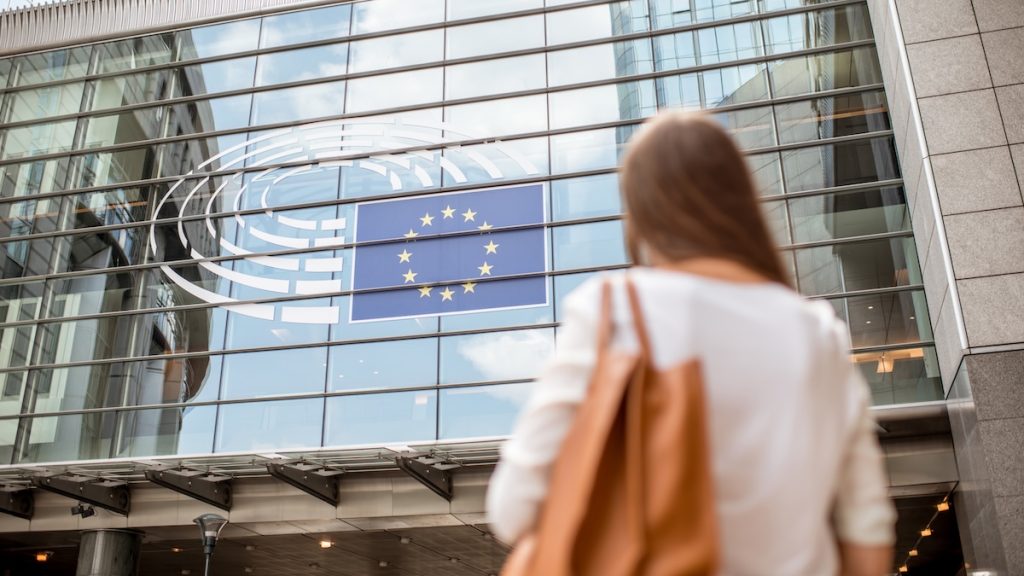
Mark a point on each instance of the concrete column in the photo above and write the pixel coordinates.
(954, 77)
(109, 553)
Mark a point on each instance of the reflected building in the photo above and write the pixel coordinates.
(191, 280)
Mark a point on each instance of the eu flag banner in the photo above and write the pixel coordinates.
(431, 252)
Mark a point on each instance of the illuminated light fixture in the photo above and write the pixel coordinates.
(885, 364)
(943, 506)
(383, 564)
(912, 553)
(903, 569)
(326, 544)
(43, 556)
(175, 550)
(871, 307)
(405, 540)
(926, 532)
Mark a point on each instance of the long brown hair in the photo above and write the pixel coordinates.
(689, 194)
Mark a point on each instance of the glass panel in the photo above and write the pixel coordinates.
(142, 124)
(102, 168)
(728, 43)
(499, 117)
(39, 139)
(775, 217)
(599, 21)
(587, 197)
(276, 373)
(721, 87)
(483, 411)
(598, 62)
(752, 127)
(107, 207)
(134, 53)
(69, 437)
(30, 178)
(608, 103)
(305, 26)
(589, 150)
(394, 90)
(669, 13)
(219, 76)
(494, 76)
(299, 103)
(886, 319)
(901, 376)
(840, 164)
(813, 29)
(209, 115)
(493, 37)
(303, 64)
(396, 364)
(829, 71)
(672, 51)
(132, 89)
(49, 66)
(834, 216)
(844, 115)
(263, 426)
(28, 105)
(767, 173)
(218, 40)
(485, 163)
(5, 74)
(459, 9)
(381, 418)
(496, 356)
(857, 266)
(391, 14)
(167, 431)
(589, 245)
(396, 51)
(180, 157)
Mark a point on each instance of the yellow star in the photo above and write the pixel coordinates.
(411, 233)
(425, 291)
(446, 294)
(410, 276)
(484, 226)
(427, 219)
(404, 256)
(485, 270)
(468, 287)
(448, 212)
(469, 215)
(491, 248)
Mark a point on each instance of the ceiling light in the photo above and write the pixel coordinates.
(185, 572)
(383, 563)
(943, 506)
(175, 550)
(871, 307)
(248, 569)
(868, 322)
(405, 540)
(43, 556)
(911, 317)
(912, 552)
(926, 532)
(326, 543)
(250, 547)
(903, 569)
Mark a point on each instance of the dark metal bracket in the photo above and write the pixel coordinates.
(313, 479)
(106, 494)
(18, 503)
(432, 472)
(209, 488)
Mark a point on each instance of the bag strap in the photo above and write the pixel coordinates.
(639, 325)
(606, 323)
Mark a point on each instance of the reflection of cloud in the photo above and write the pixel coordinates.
(507, 356)
(515, 393)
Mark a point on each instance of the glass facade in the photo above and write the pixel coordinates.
(181, 212)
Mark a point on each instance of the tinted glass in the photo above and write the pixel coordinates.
(601, 21)
(813, 29)
(608, 103)
(300, 103)
(850, 214)
(493, 37)
(394, 90)
(381, 418)
(135, 89)
(856, 162)
(49, 66)
(857, 266)
(495, 356)
(599, 62)
(587, 245)
(219, 76)
(38, 139)
(396, 51)
(586, 197)
(483, 411)
(391, 14)
(820, 72)
(494, 76)
(278, 373)
(302, 64)
(219, 39)
(668, 13)
(29, 105)
(143, 124)
(166, 432)
(305, 26)
(267, 426)
(843, 115)
(398, 364)
(135, 53)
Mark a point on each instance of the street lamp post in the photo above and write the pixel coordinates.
(210, 526)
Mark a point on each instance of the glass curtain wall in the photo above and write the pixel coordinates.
(182, 212)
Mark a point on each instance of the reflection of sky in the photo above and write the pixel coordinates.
(506, 356)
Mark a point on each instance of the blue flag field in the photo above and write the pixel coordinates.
(441, 254)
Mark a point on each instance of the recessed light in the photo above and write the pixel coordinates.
(912, 552)
(175, 550)
(871, 307)
(250, 547)
(911, 317)
(926, 532)
(383, 563)
(326, 543)
(943, 506)
(43, 556)
(868, 322)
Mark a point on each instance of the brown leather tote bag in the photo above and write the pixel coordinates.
(631, 491)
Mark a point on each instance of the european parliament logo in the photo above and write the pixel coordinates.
(450, 253)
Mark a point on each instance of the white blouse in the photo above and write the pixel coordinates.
(796, 462)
